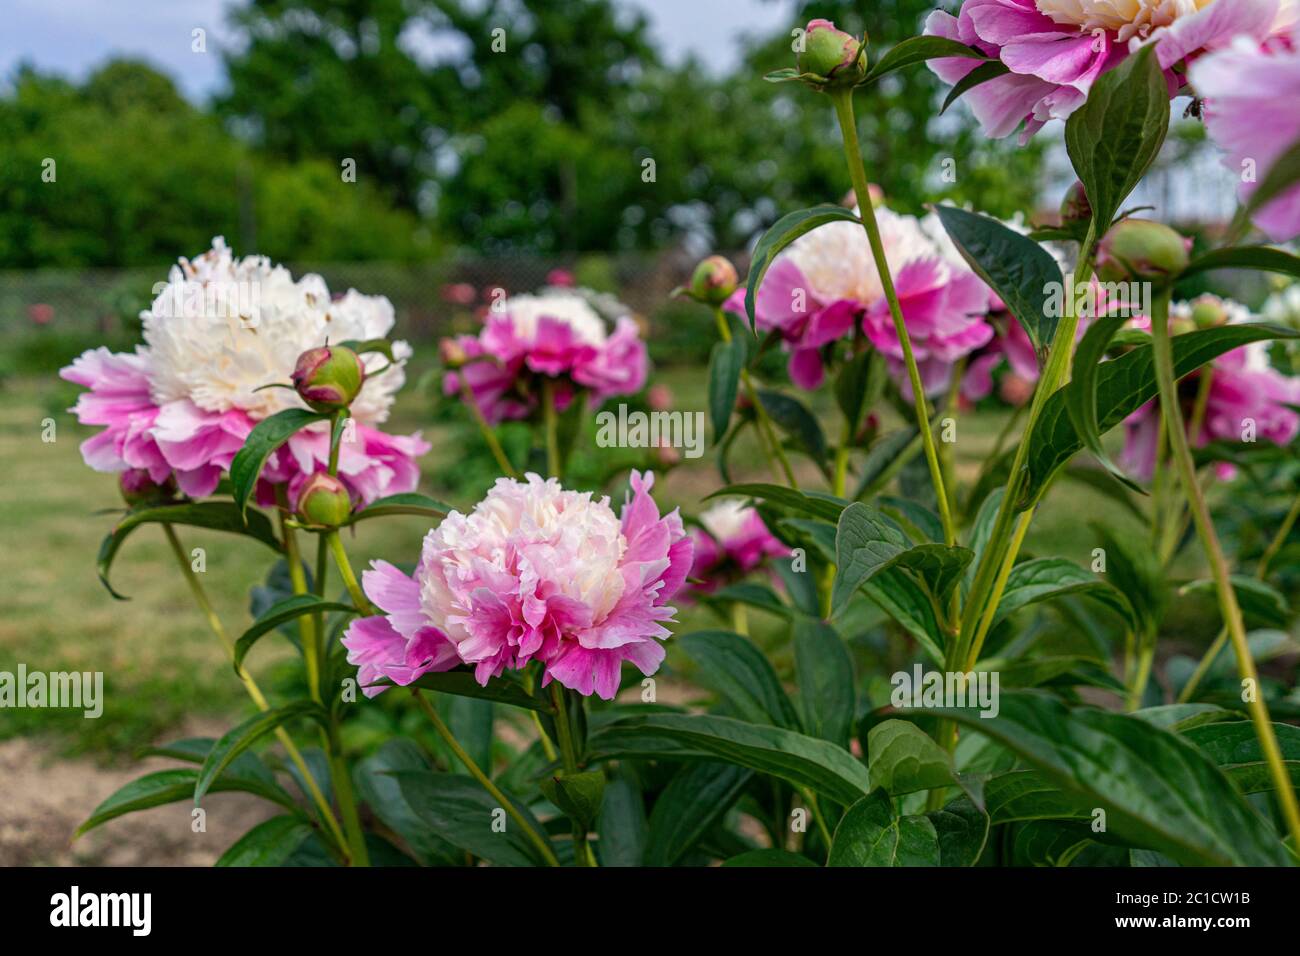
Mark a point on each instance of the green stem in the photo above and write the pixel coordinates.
(345, 571)
(477, 773)
(1261, 571)
(323, 810)
(552, 427)
(1228, 606)
(489, 436)
(582, 853)
(771, 442)
(843, 100)
(307, 635)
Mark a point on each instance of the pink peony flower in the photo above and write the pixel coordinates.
(557, 336)
(533, 573)
(1251, 93)
(1245, 392)
(733, 542)
(183, 403)
(1056, 49)
(825, 283)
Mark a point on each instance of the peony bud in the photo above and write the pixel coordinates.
(1208, 312)
(324, 501)
(1075, 206)
(713, 280)
(452, 353)
(838, 58)
(139, 489)
(1141, 249)
(328, 378)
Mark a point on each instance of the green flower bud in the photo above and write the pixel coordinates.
(713, 280)
(328, 378)
(324, 501)
(838, 58)
(1208, 312)
(1075, 206)
(1141, 249)
(139, 489)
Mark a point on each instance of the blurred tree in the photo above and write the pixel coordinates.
(123, 171)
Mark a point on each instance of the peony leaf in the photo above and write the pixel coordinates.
(824, 670)
(282, 612)
(915, 50)
(1260, 258)
(407, 503)
(1081, 393)
(271, 843)
(1115, 136)
(1019, 270)
(725, 364)
(981, 74)
(734, 668)
(696, 798)
(213, 515)
(871, 834)
(783, 232)
(238, 739)
(266, 436)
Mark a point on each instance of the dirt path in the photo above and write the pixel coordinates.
(43, 798)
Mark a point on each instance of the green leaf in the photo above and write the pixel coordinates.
(1138, 572)
(981, 74)
(1124, 385)
(725, 364)
(238, 739)
(752, 593)
(902, 758)
(622, 826)
(883, 457)
(376, 785)
(1235, 748)
(812, 504)
(867, 542)
(1281, 176)
(801, 760)
(1157, 789)
(963, 829)
(870, 834)
(499, 689)
(1019, 270)
(266, 436)
(1114, 137)
(271, 843)
(1259, 258)
(362, 346)
(287, 610)
(769, 857)
(859, 385)
(461, 812)
(578, 795)
(794, 418)
(825, 673)
(408, 503)
(169, 786)
(918, 521)
(213, 515)
(731, 666)
(1260, 602)
(1081, 393)
(907, 604)
(1043, 579)
(783, 232)
(698, 796)
(917, 50)
(1019, 795)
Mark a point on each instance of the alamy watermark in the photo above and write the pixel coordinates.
(76, 690)
(920, 689)
(638, 429)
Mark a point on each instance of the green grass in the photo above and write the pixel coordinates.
(160, 661)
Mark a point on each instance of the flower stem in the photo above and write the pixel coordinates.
(489, 436)
(205, 606)
(843, 100)
(307, 634)
(570, 754)
(771, 442)
(552, 428)
(345, 571)
(477, 773)
(1228, 605)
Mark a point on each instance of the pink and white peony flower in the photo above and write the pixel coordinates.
(732, 542)
(1245, 392)
(825, 283)
(1056, 49)
(533, 573)
(1251, 93)
(183, 403)
(557, 335)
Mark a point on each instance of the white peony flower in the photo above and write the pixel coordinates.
(222, 327)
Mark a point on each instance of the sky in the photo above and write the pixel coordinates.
(74, 36)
